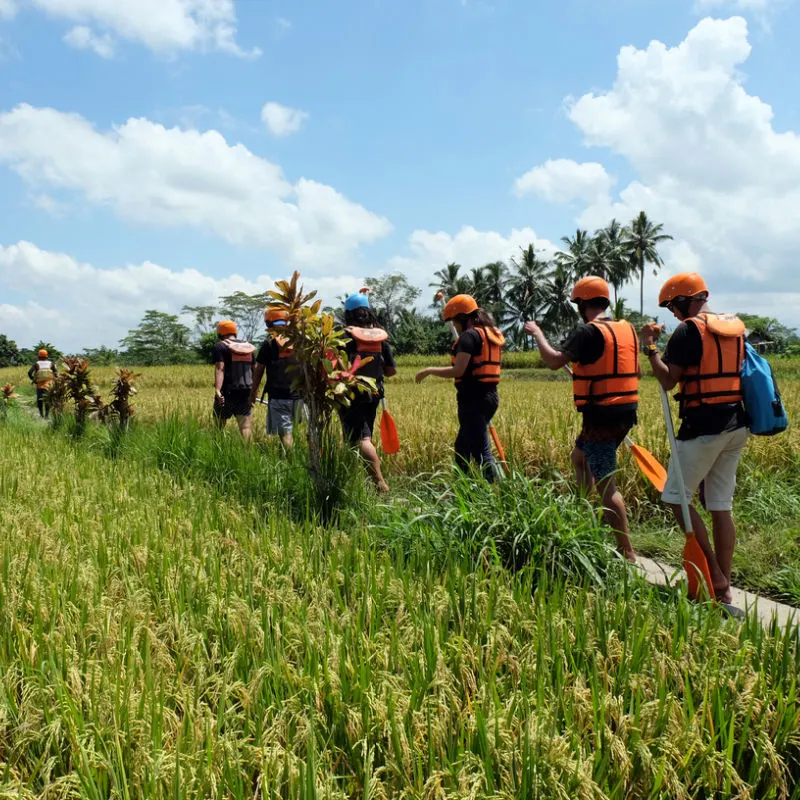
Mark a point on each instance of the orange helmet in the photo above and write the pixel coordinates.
(273, 314)
(460, 304)
(685, 284)
(42, 354)
(590, 288)
(226, 327)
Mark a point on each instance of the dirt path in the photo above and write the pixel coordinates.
(662, 574)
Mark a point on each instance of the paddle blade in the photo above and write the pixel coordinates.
(501, 454)
(650, 466)
(696, 568)
(390, 441)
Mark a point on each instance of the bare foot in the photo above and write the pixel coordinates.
(628, 555)
(382, 487)
(723, 595)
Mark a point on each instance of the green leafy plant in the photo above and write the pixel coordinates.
(8, 395)
(58, 395)
(79, 387)
(122, 390)
(325, 377)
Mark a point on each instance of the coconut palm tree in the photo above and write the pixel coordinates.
(620, 268)
(525, 294)
(576, 255)
(559, 313)
(447, 280)
(641, 240)
(599, 257)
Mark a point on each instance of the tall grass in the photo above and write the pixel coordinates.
(515, 522)
(161, 639)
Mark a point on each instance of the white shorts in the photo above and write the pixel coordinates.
(712, 459)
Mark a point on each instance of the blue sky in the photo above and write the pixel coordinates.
(139, 170)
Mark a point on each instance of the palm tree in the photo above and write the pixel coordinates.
(598, 257)
(640, 240)
(576, 256)
(525, 293)
(494, 286)
(479, 287)
(447, 280)
(559, 315)
(619, 267)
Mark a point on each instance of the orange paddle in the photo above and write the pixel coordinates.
(499, 447)
(694, 559)
(649, 465)
(390, 441)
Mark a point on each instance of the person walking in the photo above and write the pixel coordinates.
(41, 374)
(703, 357)
(605, 387)
(233, 378)
(475, 368)
(277, 359)
(368, 339)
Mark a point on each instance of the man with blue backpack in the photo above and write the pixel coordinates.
(724, 390)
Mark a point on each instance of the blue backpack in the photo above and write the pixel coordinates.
(762, 398)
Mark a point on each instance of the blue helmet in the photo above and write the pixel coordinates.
(359, 300)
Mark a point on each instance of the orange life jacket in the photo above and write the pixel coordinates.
(718, 377)
(369, 344)
(484, 367)
(613, 379)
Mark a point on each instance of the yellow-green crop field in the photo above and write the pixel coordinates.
(177, 622)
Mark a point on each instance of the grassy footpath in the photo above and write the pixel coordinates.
(166, 635)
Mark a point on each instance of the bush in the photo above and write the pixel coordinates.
(516, 521)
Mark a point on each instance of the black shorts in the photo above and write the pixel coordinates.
(358, 421)
(237, 404)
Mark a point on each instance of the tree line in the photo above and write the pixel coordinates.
(531, 285)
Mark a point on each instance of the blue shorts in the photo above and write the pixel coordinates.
(599, 445)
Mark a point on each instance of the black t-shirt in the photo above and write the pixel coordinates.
(279, 374)
(221, 352)
(586, 345)
(387, 360)
(685, 349)
(470, 388)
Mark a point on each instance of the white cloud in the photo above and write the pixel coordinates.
(563, 180)
(469, 247)
(8, 8)
(152, 175)
(164, 26)
(710, 165)
(82, 38)
(282, 120)
(50, 205)
(701, 6)
(78, 305)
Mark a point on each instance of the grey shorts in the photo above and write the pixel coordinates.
(282, 416)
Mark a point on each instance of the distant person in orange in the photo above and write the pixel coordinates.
(703, 357)
(605, 386)
(42, 373)
(476, 360)
(233, 378)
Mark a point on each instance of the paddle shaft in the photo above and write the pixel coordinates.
(673, 446)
